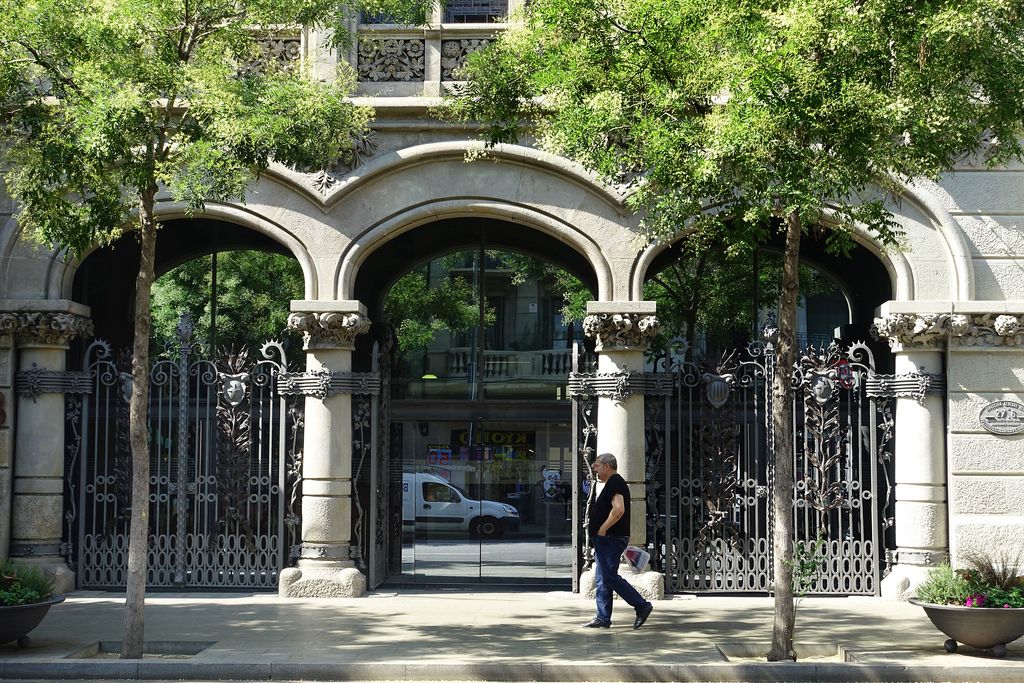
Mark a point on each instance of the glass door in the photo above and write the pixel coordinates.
(486, 501)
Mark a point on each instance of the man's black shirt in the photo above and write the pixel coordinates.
(603, 507)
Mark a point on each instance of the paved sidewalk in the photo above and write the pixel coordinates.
(444, 635)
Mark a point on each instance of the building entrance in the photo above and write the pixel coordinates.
(479, 411)
(486, 501)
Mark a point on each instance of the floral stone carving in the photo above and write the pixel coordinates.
(45, 327)
(621, 331)
(390, 59)
(329, 329)
(455, 52)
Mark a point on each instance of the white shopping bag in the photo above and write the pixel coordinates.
(637, 558)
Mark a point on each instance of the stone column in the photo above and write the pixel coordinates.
(622, 330)
(919, 450)
(325, 567)
(37, 501)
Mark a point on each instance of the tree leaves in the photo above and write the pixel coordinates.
(760, 108)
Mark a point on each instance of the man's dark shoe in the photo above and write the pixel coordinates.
(597, 623)
(641, 615)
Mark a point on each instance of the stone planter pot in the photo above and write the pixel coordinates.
(985, 628)
(16, 621)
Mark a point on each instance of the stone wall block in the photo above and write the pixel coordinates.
(1002, 538)
(986, 372)
(995, 235)
(987, 495)
(992, 191)
(998, 279)
(986, 453)
(964, 409)
(27, 277)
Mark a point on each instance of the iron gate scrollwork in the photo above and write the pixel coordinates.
(709, 463)
(223, 461)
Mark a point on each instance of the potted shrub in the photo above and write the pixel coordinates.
(981, 604)
(26, 595)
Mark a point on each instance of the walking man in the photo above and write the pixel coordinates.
(609, 529)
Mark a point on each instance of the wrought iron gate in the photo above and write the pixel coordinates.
(222, 461)
(709, 448)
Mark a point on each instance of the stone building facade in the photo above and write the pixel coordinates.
(954, 323)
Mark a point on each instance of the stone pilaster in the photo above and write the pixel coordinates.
(42, 339)
(622, 331)
(948, 504)
(325, 567)
(919, 458)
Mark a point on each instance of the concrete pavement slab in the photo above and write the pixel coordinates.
(421, 634)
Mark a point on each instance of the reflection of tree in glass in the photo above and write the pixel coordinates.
(418, 309)
(710, 290)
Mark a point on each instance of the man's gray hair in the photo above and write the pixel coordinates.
(608, 459)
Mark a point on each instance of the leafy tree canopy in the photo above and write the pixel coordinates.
(103, 98)
(418, 309)
(756, 109)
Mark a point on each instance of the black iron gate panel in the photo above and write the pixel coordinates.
(221, 439)
(710, 453)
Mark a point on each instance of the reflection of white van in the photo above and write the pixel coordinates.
(429, 503)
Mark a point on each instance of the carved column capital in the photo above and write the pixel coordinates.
(987, 329)
(48, 328)
(621, 331)
(907, 331)
(913, 330)
(328, 329)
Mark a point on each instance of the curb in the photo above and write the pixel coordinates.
(505, 673)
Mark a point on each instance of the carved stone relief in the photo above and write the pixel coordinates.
(284, 51)
(45, 327)
(455, 52)
(621, 331)
(329, 329)
(364, 146)
(390, 59)
(935, 330)
(926, 330)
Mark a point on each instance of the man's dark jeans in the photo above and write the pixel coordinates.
(607, 551)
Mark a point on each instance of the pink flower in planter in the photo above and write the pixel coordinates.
(976, 600)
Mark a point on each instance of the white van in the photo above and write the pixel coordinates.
(429, 503)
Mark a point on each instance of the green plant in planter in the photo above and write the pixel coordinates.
(984, 581)
(23, 585)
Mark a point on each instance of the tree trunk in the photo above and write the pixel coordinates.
(138, 538)
(782, 426)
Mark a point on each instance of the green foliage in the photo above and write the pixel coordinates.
(808, 563)
(987, 581)
(944, 586)
(747, 110)
(23, 585)
(104, 100)
(253, 293)
(560, 282)
(418, 311)
(711, 287)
